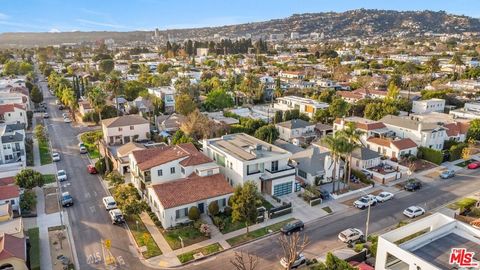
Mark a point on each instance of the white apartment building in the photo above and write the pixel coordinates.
(167, 94)
(175, 178)
(431, 249)
(12, 145)
(427, 106)
(304, 105)
(125, 129)
(13, 113)
(245, 158)
(430, 135)
(469, 111)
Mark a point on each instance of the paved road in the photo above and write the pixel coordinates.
(89, 222)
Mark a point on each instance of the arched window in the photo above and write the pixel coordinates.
(6, 267)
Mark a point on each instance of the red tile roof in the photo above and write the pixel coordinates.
(8, 192)
(363, 126)
(12, 247)
(149, 158)
(404, 144)
(379, 141)
(10, 107)
(348, 94)
(191, 189)
(7, 181)
(455, 129)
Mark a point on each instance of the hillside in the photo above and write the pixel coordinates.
(360, 22)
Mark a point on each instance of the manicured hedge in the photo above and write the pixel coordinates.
(33, 235)
(431, 155)
(456, 151)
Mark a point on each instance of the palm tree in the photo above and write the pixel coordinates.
(69, 98)
(114, 87)
(336, 144)
(457, 61)
(433, 65)
(352, 135)
(97, 98)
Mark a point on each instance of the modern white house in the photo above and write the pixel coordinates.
(437, 236)
(430, 135)
(167, 94)
(304, 105)
(124, 129)
(12, 145)
(427, 106)
(470, 110)
(13, 113)
(174, 178)
(295, 128)
(245, 158)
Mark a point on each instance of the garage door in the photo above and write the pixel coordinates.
(282, 189)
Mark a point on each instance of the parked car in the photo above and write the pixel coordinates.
(367, 173)
(109, 203)
(447, 174)
(116, 216)
(67, 199)
(62, 175)
(292, 226)
(67, 120)
(55, 156)
(65, 115)
(413, 185)
(91, 169)
(45, 115)
(61, 107)
(384, 196)
(83, 149)
(351, 235)
(414, 211)
(365, 201)
(298, 261)
(474, 165)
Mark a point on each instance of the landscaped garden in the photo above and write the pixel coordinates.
(48, 178)
(188, 256)
(44, 149)
(237, 240)
(90, 140)
(142, 236)
(464, 163)
(189, 234)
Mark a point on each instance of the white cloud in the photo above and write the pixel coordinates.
(3, 16)
(89, 22)
(54, 30)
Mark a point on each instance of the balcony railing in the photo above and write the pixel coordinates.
(286, 171)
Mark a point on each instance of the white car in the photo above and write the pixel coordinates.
(365, 201)
(414, 211)
(384, 196)
(116, 216)
(109, 203)
(67, 120)
(351, 235)
(62, 175)
(298, 261)
(65, 115)
(83, 149)
(56, 156)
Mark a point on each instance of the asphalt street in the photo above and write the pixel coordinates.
(90, 223)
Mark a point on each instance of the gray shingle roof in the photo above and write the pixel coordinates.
(17, 137)
(295, 123)
(364, 153)
(126, 120)
(310, 160)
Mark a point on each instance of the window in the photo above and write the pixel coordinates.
(172, 170)
(182, 170)
(275, 166)
(160, 173)
(302, 174)
(222, 202)
(282, 189)
(120, 129)
(132, 127)
(180, 213)
(209, 172)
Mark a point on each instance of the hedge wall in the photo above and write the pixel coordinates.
(456, 151)
(34, 254)
(431, 155)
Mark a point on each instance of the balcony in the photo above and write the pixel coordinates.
(271, 175)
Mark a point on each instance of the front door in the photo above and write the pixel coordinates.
(201, 208)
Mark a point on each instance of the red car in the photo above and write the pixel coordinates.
(91, 169)
(474, 165)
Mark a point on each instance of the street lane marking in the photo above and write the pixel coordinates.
(92, 209)
(120, 260)
(87, 195)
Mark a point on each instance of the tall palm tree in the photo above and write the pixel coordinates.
(433, 65)
(113, 86)
(352, 134)
(97, 98)
(337, 145)
(69, 99)
(457, 61)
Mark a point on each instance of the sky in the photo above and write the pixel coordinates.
(130, 15)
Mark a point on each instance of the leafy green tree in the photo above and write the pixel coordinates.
(278, 117)
(432, 66)
(327, 96)
(393, 92)
(377, 110)
(194, 213)
(162, 68)
(184, 104)
(268, 133)
(133, 89)
(338, 108)
(245, 201)
(28, 179)
(128, 199)
(36, 95)
(213, 208)
(474, 130)
(28, 201)
(24, 68)
(39, 133)
(10, 67)
(337, 145)
(106, 65)
(115, 178)
(180, 137)
(218, 99)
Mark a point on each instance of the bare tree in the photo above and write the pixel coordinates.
(244, 261)
(292, 246)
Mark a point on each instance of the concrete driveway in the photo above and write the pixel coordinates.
(302, 210)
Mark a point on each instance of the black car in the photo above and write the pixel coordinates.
(324, 194)
(292, 226)
(412, 186)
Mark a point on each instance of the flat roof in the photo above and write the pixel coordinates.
(438, 251)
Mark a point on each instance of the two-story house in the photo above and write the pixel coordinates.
(430, 135)
(124, 129)
(167, 94)
(296, 129)
(12, 145)
(392, 148)
(175, 178)
(369, 128)
(245, 158)
(304, 105)
(427, 106)
(13, 113)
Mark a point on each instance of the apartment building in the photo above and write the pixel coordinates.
(12, 145)
(304, 105)
(124, 129)
(427, 106)
(245, 158)
(470, 110)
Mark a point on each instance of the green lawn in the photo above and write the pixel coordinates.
(238, 240)
(35, 248)
(464, 163)
(188, 256)
(327, 209)
(143, 237)
(462, 203)
(266, 204)
(49, 178)
(90, 139)
(189, 234)
(92, 150)
(231, 226)
(45, 156)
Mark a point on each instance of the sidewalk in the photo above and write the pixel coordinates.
(36, 153)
